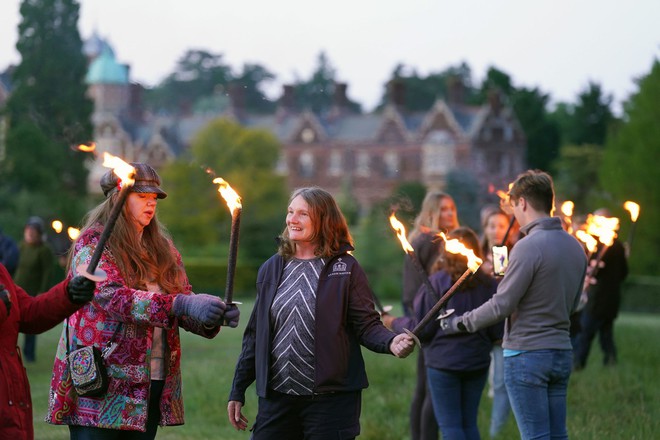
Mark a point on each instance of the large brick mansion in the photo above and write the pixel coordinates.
(372, 153)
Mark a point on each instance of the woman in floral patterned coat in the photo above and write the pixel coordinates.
(135, 314)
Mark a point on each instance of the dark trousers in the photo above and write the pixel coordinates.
(153, 417)
(29, 348)
(332, 416)
(590, 326)
(423, 425)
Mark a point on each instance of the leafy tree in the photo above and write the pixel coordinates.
(48, 111)
(464, 188)
(543, 136)
(531, 108)
(408, 198)
(421, 92)
(246, 159)
(317, 93)
(576, 175)
(498, 79)
(379, 251)
(252, 79)
(198, 74)
(629, 170)
(588, 121)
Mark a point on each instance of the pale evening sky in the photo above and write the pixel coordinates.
(556, 45)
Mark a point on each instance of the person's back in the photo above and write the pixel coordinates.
(545, 262)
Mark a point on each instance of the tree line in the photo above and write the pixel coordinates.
(598, 159)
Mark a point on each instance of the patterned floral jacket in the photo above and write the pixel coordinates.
(136, 312)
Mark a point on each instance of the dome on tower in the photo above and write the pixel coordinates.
(106, 70)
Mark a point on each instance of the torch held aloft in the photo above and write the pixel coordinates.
(233, 254)
(90, 271)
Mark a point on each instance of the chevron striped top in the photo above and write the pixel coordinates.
(293, 316)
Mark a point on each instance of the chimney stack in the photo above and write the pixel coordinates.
(397, 91)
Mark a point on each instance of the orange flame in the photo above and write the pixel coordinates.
(87, 148)
(73, 232)
(123, 170)
(227, 192)
(567, 208)
(603, 227)
(456, 247)
(57, 226)
(401, 234)
(589, 241)
(633, 209)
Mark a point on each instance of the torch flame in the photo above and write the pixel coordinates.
(57, 226)
(123, 170)
(456, 247)
(87, 148)
(567, 208)
(590, 242)
(227, 192)
(603, 227)
(504, 195)
(73, 232)
(633, 209)
(401, 234)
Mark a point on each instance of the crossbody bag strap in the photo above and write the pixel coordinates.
(107, 344)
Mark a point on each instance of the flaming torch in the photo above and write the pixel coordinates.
(605, 229)
(589, 241)
(126, 174)
(410, 251)
(73, 233)
(234, 204)
(455, 247)
(567, 210)
(57, 226)
(633, 209)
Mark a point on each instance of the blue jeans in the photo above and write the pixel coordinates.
(537, 383)
(456, 396)
(501, 406)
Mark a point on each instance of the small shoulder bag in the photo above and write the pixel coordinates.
(88, 373)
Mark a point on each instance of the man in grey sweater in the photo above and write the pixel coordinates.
(537, 295)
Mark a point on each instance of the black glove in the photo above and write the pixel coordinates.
(5, 297)
(80, 289)
(231, 316)
(207, 309)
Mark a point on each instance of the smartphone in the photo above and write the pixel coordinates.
(500, 260)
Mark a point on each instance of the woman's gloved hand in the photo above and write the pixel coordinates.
(207, 309)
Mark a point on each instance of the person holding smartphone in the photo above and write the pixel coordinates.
(495, 245)
(540, 290)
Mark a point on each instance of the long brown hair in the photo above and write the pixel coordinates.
(140, 259)
(455, 264)
(330, 226)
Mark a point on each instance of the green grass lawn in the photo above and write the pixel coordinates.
(621, 402)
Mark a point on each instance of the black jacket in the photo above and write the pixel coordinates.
(345, 318)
